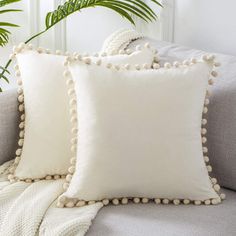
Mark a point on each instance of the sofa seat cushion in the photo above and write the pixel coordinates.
(167, 220)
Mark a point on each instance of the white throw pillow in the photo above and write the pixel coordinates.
(44, 144)
(140, 135)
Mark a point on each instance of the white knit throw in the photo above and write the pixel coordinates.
(29, 209)
(119, 40)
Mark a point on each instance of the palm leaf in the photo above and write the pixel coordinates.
(4, 36)
(5, 78)
(6, 2)
(119, 11)
(4, 33)
(8, 24)
(9, 10)
(4, 69)
(158, 3)
(125, 8)
(132, 9)
(144, 6)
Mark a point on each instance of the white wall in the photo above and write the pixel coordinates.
(87, 30)
(206, 24)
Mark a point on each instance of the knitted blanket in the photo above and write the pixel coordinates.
(29, 209)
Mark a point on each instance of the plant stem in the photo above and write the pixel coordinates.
(6, 66)
(35, 36)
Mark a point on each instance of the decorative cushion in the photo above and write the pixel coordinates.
(140, 134)
(221, 133)
(44, 145)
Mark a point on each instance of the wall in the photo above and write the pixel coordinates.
(206, 24)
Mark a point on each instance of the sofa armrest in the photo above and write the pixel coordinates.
(9, 121)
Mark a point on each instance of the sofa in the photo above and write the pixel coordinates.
(166, 220)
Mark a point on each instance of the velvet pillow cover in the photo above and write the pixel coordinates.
(221, 133)
(45, 128)
(141, 134)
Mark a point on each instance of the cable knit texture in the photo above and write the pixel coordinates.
(29, 209)
(119, 40)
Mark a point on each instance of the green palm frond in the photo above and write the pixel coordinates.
(7, 2)
(4, 69)
(9, 10)
(4, 36)
(125, 8)
(4, 33)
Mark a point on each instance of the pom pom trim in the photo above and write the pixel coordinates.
(85, 58)
(126, 200)
(21, 107)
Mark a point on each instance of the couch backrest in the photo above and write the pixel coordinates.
(9, 121)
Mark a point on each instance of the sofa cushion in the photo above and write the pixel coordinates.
(8, 125)
(222, 110)
(144, 127)
(44, 146)
(152, 220)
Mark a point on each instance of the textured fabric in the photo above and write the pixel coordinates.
(8, 125)
(119, 40)
(4, 168)
(29, 209)
(46, 149)
(222, 110)
(4, 171)
(36, 198)
(158, 220)
(140, 133)
(67, 221)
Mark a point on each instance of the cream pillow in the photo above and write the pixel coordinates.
(140, 135)
(44, 144)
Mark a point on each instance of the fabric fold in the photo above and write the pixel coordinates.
(29, 209)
